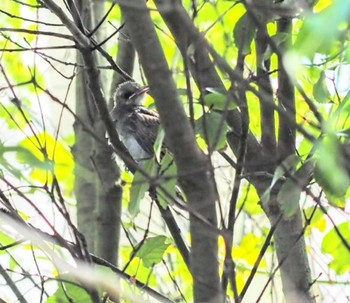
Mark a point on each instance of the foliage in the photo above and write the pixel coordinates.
(37, 166)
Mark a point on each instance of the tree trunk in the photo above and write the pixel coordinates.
(85, 176)
(192, 164)
(291, 253)
(99, 198)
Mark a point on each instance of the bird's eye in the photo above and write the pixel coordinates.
(127, 95)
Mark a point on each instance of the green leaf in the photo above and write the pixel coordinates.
(333, 244)
(344, 106)
(12, 116)
(137, 268)
(287, 164)
(249, 199)
(305, 148)
(347, 54)
(329, 171)
(15, 9)
(5, 239)
(6, 164)
(168, 180)
(265, 197)
(218, 100)
(58, 159)
(25, 156)
(213, 130)
(152, 250)
(244, 33)
(157, 147)
(280, 38)
(289, 196)
(320, 30)
(337, 201)
(22, 153)
(67, 292)
(320, 89)
(140, 185)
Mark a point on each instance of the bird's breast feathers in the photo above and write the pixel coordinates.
(138, 128)
(134, 148)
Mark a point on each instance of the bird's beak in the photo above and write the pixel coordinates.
(140, 91)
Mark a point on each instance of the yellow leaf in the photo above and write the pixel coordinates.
(321, 224)
(47, 149)
(249, 249)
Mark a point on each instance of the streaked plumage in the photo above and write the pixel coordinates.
(136, 125)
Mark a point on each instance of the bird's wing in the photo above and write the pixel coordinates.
(144, 124)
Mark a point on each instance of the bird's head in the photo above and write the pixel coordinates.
(129, 93)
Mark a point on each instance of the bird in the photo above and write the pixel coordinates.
(136, 125)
